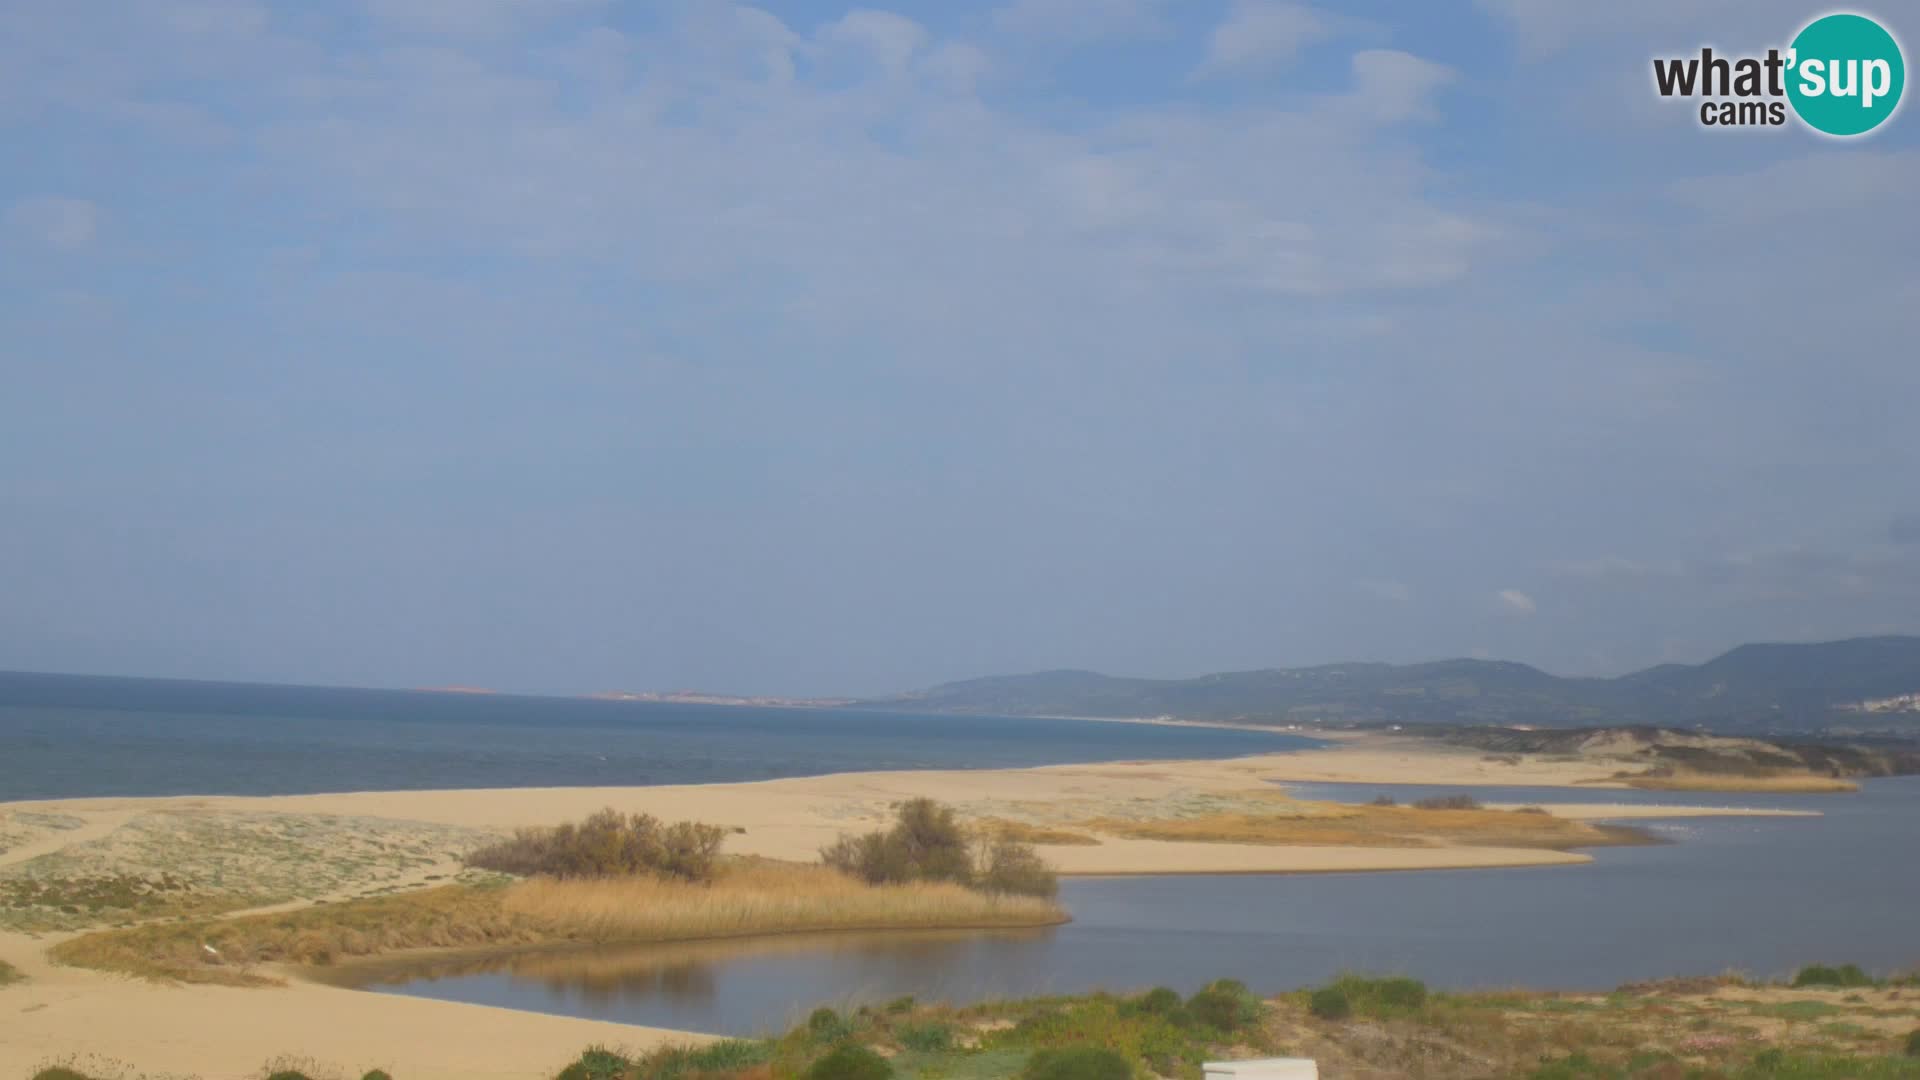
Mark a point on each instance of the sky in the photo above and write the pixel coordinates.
(573, 345)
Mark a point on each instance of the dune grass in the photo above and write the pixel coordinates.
(1027, 833)
(747, 897)
(10, 974)
(1374, 826)
(1782, 783)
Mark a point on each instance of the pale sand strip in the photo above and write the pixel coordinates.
(219, 1032)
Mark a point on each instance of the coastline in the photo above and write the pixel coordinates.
(220, 1031)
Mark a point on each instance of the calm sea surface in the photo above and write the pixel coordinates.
(1760, 894)
(69, 736)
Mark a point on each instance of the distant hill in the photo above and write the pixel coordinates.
(1860, 685)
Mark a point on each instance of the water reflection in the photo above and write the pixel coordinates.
(697, 979)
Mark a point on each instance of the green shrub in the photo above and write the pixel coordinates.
(903, 1004)
(1330, 1003)
(1387, 997)
(597, 1063)
(1011, 867)
(1077, 1063)
(376, 1074)
(727, 1055)
(1398, 994)
(825, 1025)
(58, 1072)
(1160, 1001)
(287, 1074)
(607, 844)
(932, 1037)
(1913, 1044)
(850, 1062)
(1822, 975)
(1225, 1005)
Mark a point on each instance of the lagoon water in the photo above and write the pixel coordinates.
(1763, 895)
(69, 736)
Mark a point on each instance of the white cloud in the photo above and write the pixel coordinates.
(1260, 34)
(892, 40)
(1391, 86)
(57, 223)
(1515, 602)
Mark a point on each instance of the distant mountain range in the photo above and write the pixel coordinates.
(1862, 685)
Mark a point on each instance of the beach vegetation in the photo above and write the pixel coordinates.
(1913, 1043)
(1225, 1005)
(1845, 975)
(1374, 825)
(827, 1026)
(1330, 1003)
(607, 844)
(10, 974)
(1027, 833)
(926, 842)
(1077, 1063)
(746, 897)
(850, 1061)
(930, 1037)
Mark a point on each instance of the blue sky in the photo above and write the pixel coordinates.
(583, 344)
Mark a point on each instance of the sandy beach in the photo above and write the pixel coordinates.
(219, 1032)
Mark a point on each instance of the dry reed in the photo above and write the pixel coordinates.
(761, 898)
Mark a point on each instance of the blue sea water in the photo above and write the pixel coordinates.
(67, 736)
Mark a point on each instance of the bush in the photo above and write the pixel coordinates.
(287, 1074)
(1014, 868)
(933, 1037)
(376, 1074)
(825, 1025)
(1077, 1063)
(926, 843)
(850, 1062)
(1392, 996)
(1913, 1044)
(1226, 1006)
(1448, 802)
(1330, 1003)
(1159, 1001)
(607, 844)
(1822, 975)
(597, 1063)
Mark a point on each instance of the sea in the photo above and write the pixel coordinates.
(71, 736)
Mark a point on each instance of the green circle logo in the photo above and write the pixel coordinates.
(1845, 74)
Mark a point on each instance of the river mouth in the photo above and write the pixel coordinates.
(1727, 893)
